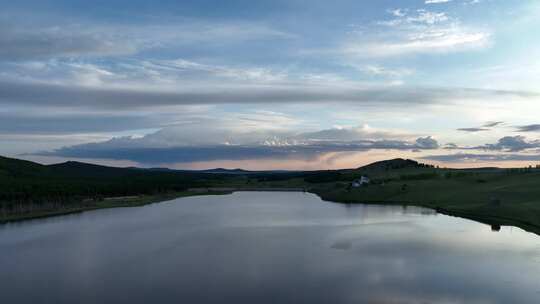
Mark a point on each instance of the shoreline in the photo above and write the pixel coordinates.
(107, 203)
(487, 219)
(143, 200)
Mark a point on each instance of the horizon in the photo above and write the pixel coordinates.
(531, 165)
(271, 85)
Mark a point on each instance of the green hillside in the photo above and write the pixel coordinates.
(491, 195)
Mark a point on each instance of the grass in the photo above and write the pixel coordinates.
(493, 197)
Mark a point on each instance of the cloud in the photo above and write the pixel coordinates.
(187, 154)
(473, 157)
(398, 12)
(127, 83)
(14, 123)
(24, 43)
(421, 32)
(512, 144)
(529, 128)
(426, 143)
(181, 145)
(349, 134)
(134, 72)
(485, 127)
(472, 129)
(436, 1)
(178, 67)
(58, 39)
(140, 96)
(504, 144)
(264, 129)
(491, 124)
(378, 70)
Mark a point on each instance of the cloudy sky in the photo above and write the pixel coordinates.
(280, 84)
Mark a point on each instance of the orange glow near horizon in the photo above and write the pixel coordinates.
(329, 161)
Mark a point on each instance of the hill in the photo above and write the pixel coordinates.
(10, 167)
(396, 163)
(27, 186)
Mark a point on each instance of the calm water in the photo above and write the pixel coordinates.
(266, 248)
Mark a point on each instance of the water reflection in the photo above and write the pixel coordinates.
(266, 248)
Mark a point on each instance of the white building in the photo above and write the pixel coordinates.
(364, 180)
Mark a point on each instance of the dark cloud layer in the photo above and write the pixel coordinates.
(185, 154)
(491, 124)
(512, 144)
(472, 157)
(43, 95)
(472, 129)
(68, 124)
(485, 127)
(20, 43)
(507, 144)
(529, 128)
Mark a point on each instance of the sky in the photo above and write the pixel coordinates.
(281, 84)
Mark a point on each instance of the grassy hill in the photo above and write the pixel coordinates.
(491, 195)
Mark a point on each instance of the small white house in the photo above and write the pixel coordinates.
(364, 180)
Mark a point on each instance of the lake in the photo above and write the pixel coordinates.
(266, 247)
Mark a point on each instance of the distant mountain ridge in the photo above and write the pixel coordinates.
(77, 168)
(29, 168)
